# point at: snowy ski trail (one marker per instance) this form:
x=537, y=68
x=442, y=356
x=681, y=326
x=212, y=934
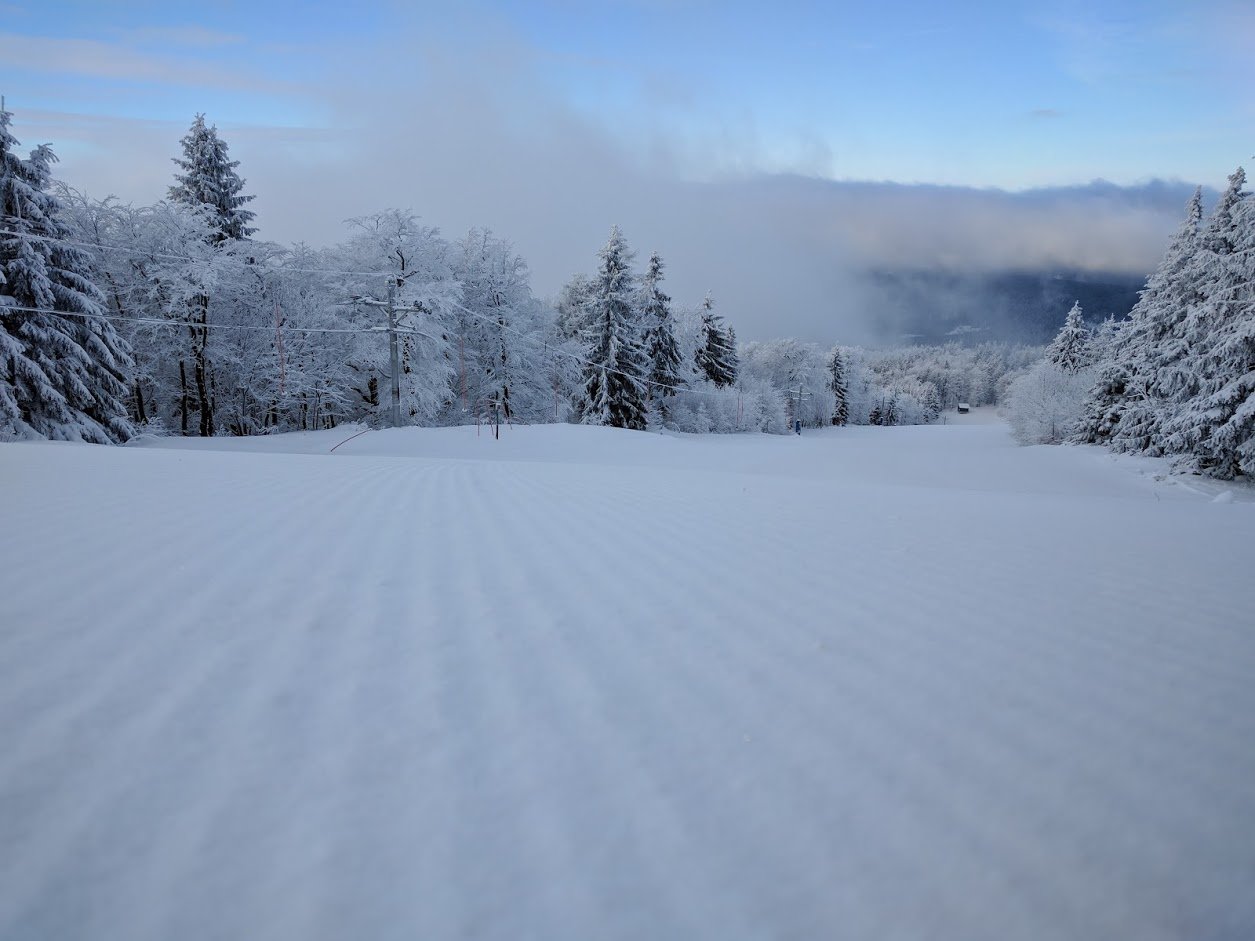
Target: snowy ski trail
x=890, y=683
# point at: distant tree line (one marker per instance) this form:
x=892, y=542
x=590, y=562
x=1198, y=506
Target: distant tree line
x=174, y=318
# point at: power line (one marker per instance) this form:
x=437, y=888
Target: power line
x=316, y=271
x=263, y=265
x=4, y=309
x=376, y=331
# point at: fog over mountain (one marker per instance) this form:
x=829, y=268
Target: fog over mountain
x=770, y=224
x=783, y=254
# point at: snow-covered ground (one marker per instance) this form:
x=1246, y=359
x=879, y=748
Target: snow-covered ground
x=583, y=683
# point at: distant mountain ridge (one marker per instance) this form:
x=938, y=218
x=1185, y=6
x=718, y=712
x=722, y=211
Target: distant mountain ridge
x=933, y=306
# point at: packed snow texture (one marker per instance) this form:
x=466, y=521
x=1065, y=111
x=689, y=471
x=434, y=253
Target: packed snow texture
x=587, y=683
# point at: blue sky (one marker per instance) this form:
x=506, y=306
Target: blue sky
x=549, y=120
x=971, y=93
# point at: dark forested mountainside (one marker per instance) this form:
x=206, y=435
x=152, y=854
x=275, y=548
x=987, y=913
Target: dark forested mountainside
x=932, y=306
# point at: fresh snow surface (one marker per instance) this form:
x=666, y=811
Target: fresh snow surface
x=585, y=683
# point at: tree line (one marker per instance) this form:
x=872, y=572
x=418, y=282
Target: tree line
x=174, y=318
x=1176, y=378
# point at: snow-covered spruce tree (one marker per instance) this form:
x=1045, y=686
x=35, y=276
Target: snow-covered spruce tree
x=1070, y=349
x=208, y=181
x=840, y=391
x=61, y=376
x=572, y=307
x=1146, y=357
x=208, y=178
x=716, y=358
x=1214, y=427
x=1104, y=404
x=930, y=403
x=616, y=362
x=665, y=362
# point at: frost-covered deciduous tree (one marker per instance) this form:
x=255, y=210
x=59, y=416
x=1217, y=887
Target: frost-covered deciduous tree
x=414, y=272
x=616, y=362
x=503, y=357
x=161, y=267
x=63, y=367
x=208, y=178
x=1045, y=404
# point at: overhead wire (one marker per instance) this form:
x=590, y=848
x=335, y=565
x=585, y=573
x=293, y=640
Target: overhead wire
x=317, y=271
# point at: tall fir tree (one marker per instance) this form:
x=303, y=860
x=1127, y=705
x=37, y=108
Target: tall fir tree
x=1214, y=426
x=1069, y=350
x=61, y=376
x=665, y=360
x=616, y=361
x=732, y=359
x=839, y=385
x=1146, y=356
x=715, y=357
x=1105, y=402
x=209, y=178
x=208, y=182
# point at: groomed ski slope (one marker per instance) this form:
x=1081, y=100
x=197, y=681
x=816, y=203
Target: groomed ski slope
x=583, y=683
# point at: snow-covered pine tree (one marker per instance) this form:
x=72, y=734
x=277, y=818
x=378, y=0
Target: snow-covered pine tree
x=572, y=307
x=1103, y=404
x=208, y=181
x=838, y=384
x=61, y=376
x=616, y=361
x=1070, y=348
x=660, y=342
x=1215, y=427
x=931, y=403
x=715, y=357
x=1146, y=356
x=208, y=178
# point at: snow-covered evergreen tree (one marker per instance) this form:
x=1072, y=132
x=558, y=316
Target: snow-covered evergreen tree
x=63, y=368
x=572, y=305
x=839, y=387
x=1214, y=426
x=931, y=403
x=716, y=357
x=617, y=363
x=1146, y=358
x=665, y=362
x=1070, y=349
x=209, y=178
